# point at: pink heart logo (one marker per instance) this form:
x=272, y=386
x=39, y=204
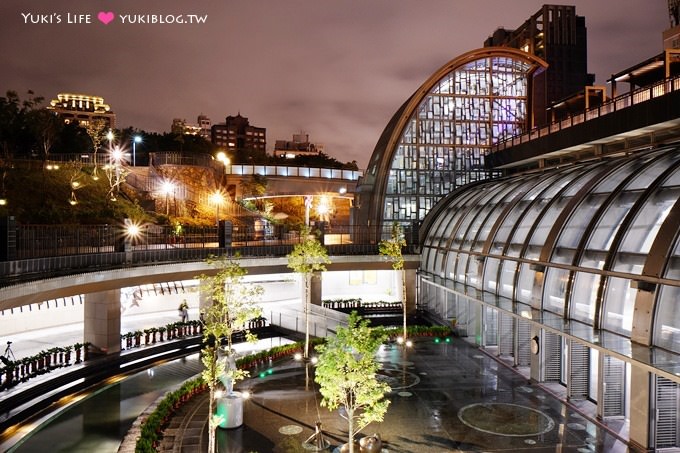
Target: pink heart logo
x=105, y=17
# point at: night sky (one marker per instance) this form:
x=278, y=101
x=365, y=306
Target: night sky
x=336, y=69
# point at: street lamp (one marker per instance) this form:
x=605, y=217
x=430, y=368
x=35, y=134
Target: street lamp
x=222, y=157
x=217, y=198
x=116, y=159
x=135, y=139
x=167, y=189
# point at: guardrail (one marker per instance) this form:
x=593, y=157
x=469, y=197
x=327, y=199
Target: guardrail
x=612, y=105
x=55, y=251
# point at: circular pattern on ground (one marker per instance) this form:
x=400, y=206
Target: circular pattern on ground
x=397, y=378
x=505, y=419
x=290, y=430
x=405, y=394
x=576, y=426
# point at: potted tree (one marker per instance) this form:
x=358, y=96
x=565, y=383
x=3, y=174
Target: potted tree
x=233, y=305
x=346, y=373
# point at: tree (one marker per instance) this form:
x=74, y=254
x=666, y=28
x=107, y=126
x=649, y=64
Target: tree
x=346, y=374
x=95, y=130
x=391, y=248
x=47, y=126
x=307, y=257
x=233, y=305
x=17, y=134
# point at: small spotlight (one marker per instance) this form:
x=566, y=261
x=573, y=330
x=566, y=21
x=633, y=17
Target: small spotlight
x=297, y=356
x=3, y=201
x=400, y=340
x=315, y=360
x=409, y=343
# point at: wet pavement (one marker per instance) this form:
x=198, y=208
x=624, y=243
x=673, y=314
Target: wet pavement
x=446, y=397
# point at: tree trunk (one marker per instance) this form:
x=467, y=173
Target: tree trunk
x=308, y=278
x=403, y=297
x=350, y=431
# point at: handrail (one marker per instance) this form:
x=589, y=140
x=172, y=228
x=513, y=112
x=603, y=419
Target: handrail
x=612, y=105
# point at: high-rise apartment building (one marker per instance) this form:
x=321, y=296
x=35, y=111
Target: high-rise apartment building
x=557, y=36
x=239, y=138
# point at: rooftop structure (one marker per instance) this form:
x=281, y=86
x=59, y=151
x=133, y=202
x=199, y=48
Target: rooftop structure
x=299, y=146
x=82, y=109
x=201, y=127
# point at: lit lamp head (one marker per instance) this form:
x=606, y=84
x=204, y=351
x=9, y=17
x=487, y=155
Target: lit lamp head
x=222, y=157
x=167, y=187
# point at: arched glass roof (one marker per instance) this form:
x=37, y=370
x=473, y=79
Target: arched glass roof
x=439, y=138
x=589, y=242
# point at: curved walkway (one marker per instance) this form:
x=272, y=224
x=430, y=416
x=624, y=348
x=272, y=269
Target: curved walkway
x=447, y=397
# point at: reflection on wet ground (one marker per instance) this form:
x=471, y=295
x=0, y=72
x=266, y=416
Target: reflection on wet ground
x=446, y=397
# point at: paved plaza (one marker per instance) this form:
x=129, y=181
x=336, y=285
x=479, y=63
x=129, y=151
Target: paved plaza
x=446, y=397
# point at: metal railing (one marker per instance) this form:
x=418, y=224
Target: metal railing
x=621, y=102
x=45, y=251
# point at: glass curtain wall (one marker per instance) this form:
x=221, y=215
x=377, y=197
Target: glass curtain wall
x=445, y=140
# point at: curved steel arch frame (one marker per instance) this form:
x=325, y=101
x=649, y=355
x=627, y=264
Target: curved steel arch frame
x=437, y=246
x=372, y=188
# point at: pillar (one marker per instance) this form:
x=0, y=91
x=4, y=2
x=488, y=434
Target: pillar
x=102, y=321
x=411, y=276
x=640, y=415
x=315, y=293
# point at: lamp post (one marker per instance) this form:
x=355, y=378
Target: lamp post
x=217, y=199
x=167, y=188
x=222, y=157
x=135, y=139
x=109, y=137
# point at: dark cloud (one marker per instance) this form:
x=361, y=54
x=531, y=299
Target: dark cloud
x=337, y=69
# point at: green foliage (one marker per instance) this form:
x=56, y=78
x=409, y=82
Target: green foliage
x=392, y=247
x=346, y=374
x=308, y=256
x=233, y=305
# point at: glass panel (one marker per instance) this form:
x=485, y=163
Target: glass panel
x=619, y=303
x=525, y=284
x=509, y=268
x=609, y=224
x=491, y=274
x=584, y=296
x=580, y=218
x=642, y=232
x=554, y=290
x=461, y=267
x=473, y=273
x=667, y=319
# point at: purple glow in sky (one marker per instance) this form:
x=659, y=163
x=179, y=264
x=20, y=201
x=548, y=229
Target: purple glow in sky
x=336, y=69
